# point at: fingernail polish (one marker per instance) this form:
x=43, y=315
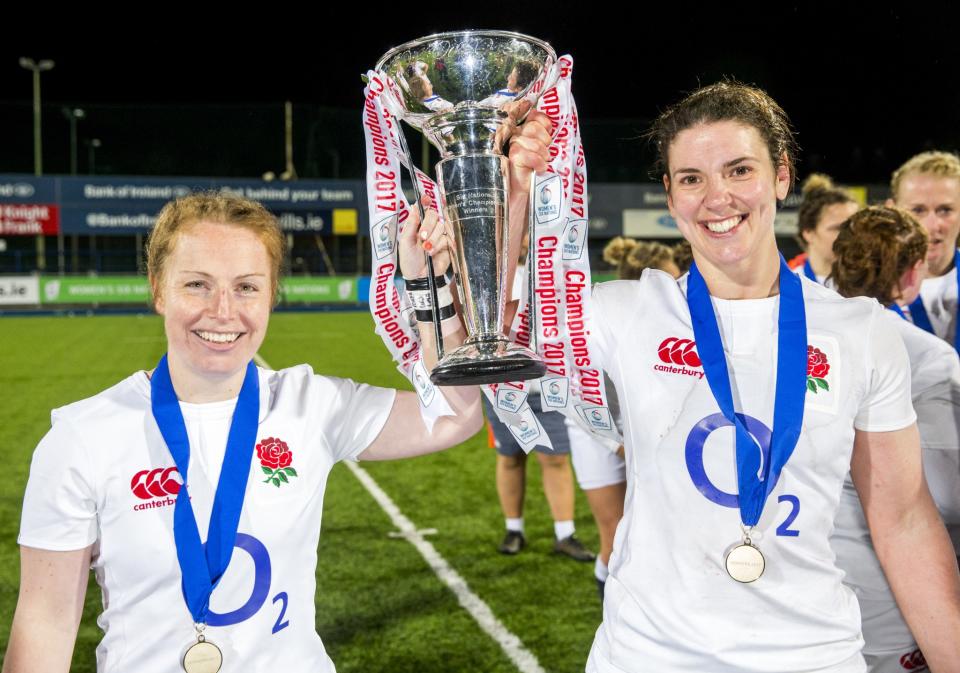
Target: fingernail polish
x=428, y=246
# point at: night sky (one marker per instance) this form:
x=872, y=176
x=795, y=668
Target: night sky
x=865, y=88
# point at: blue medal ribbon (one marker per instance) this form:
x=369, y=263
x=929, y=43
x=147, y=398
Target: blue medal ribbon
x=919, y=312
x=756, y=477
x=202, y=565
x=896, y=309
x=808, y=271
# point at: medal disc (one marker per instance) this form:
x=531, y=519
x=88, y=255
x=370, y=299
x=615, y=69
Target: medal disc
x=202, y=657
x=745, y=563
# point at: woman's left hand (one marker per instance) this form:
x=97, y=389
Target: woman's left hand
x=416, y=238
x=529, y=150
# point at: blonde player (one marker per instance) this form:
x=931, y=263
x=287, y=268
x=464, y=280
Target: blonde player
x=928, y=186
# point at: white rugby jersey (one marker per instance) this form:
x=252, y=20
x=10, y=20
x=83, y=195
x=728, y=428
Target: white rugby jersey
x=826, y=281
x=939, y=297
x=935, y=388
x=104, y=476
x=669, y=603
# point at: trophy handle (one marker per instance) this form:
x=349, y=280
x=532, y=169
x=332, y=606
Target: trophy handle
x=431, y=276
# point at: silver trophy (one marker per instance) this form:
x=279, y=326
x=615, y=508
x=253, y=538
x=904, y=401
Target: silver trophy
x=465, y=92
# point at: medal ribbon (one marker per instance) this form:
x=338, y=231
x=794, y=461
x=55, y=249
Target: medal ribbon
x=808, y=271
x=201, y=565
x=755, y=476
x=896, y=309
x=919, y=312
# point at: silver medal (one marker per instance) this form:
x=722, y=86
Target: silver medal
x=744, y=562
x=203, y=656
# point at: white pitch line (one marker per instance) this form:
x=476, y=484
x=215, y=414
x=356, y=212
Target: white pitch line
x=511, y=645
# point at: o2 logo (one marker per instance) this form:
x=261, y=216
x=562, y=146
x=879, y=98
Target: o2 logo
x=698, y=473
x=261, y=588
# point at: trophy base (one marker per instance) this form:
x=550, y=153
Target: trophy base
x=487, y=360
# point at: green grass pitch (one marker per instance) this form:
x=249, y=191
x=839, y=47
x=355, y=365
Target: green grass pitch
x=379, y=606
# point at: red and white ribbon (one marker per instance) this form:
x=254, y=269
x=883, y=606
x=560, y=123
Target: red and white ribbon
x=557, y=258
x=560, y=263
x=393, y=316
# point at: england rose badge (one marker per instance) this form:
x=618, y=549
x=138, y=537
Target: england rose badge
x=275, y=459
x=817, y=370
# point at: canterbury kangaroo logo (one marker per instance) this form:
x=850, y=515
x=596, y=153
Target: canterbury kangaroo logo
x=679, y=352
x=157, y=483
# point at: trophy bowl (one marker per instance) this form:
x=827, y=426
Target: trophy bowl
x=466, y=91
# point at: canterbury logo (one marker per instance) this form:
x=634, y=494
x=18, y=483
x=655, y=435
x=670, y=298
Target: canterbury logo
x=157, y=483
x=913, y=661
x=679, y=352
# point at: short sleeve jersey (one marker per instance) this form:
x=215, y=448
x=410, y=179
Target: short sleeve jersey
x=939, y=296
x=103, y=476
x=935, y=389
x=669, y=603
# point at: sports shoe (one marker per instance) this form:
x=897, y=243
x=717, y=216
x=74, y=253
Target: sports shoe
x=512, y=543
x=572, y=547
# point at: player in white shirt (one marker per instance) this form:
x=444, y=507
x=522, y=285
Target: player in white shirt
x=823, y=209
x=630, y=258
x=928, y=186
x=687, y=589
x=880, y=253
x=105, y=481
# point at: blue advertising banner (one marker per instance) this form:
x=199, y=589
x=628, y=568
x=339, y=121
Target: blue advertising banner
x=129, y=205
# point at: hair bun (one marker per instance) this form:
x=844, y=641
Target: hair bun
x=617, y=250
x=816, y=182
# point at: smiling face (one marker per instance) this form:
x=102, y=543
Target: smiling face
x=935, y=201
x=215, y=296
x=722, y=189
x=820, y=240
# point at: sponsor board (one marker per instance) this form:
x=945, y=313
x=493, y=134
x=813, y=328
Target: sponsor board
x=136, y=290
x=331, y=289
x=29, y=219
x=105, y=290
x=19, y=290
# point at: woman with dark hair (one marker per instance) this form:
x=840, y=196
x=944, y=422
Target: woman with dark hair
x=880, y=253
x=823, y=209
x=737, y=450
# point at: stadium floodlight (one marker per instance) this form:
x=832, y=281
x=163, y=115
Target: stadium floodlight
x=92, y=145
x=72, y=115
x=36, y=68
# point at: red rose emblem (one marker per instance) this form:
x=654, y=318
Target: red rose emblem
x=817, y=365
x=817, y=370
x=274, y=453
x=275, y=458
